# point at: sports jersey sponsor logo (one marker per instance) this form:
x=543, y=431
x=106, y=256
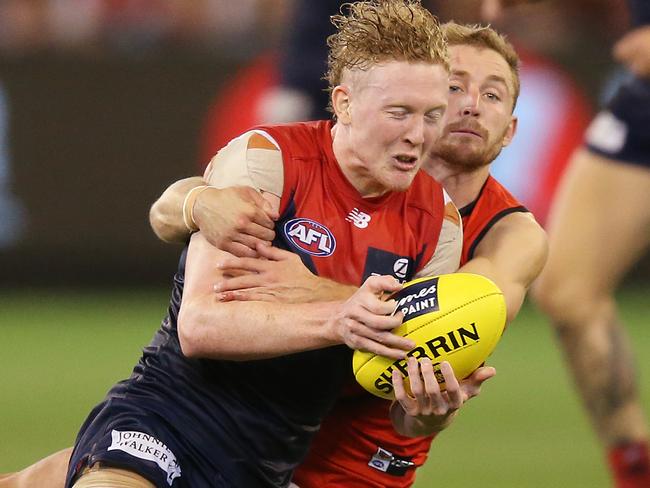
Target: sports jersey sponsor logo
x=309, y=236
x=388, y=462
x=450, y=342
x=418, y=299
x=145, y=446
x=380, y=262
x=358, y=218
x=401, y=267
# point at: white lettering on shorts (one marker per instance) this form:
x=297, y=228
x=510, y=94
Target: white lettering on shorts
x=145, y=446
x=607, y=133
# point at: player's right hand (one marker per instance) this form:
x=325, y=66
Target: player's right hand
x=365, y=320
x=434, y=409
x=235, y=219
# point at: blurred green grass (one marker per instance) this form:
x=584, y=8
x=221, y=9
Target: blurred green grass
x=60, y=351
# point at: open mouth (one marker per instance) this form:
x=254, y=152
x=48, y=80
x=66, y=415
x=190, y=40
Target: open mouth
x=405, y=162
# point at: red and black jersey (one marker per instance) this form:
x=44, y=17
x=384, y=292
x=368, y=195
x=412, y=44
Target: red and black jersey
x=339, y=234
x=357, y=446
x=492, y=204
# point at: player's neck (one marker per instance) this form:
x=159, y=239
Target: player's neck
x=462, y=186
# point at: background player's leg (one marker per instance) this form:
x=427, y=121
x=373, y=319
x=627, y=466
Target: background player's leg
x=599, y=227
x=49, y=472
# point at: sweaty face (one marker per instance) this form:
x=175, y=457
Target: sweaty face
x=395, y=117
x=479, y=121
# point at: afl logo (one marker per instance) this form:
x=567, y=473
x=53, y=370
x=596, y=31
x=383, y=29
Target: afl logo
x=310, y=236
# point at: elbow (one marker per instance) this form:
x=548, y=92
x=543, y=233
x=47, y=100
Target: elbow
x=162, y=225
x=188, y=333
x=197, y=335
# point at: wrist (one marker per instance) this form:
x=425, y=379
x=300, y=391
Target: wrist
x=330, y=330
x=189, y=203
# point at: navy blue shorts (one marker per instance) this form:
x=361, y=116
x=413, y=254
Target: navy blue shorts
x=621, y=131
x=118, y=434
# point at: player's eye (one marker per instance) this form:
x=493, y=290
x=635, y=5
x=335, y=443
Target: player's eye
x=434, y=115
x=492, y=97
x=397, y=114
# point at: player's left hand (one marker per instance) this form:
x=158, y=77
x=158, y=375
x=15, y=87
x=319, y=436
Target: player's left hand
x=432, y=408
x=279, y=277
x=633, y=50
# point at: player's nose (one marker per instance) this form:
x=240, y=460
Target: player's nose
x=470, y=106
x=416, y=133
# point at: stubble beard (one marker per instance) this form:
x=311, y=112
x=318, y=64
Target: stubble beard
x=467, y=157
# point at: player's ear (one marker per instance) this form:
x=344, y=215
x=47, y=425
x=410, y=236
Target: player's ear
x=510, y=131
x=341, y=103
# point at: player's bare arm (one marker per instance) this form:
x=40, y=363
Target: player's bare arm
x=166, y=214
x=427, y=410
x=236, y=202
x=512, y=254
x=236, y=330
x=235, y=219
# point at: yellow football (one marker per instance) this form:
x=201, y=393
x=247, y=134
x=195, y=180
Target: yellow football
x=456, y=317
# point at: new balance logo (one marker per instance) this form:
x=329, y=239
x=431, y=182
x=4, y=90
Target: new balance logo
x=358, y=218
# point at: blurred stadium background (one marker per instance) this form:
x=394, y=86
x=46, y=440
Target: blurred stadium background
x=103, y=103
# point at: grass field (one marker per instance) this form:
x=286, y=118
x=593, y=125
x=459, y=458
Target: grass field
x=59, y=352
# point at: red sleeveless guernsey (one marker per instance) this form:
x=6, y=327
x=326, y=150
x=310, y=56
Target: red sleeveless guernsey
x=337, y=233
x=357, y=446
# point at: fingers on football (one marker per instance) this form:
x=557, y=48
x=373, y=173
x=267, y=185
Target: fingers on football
x=373, y=304
x=360, y=336
x=407, y=403
x=382, y=350
x=432, y=388
x=398, y=386
x=380, y=284
x=452, y=387
x=418, y=389
x=376, y=322
x=427, y=398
